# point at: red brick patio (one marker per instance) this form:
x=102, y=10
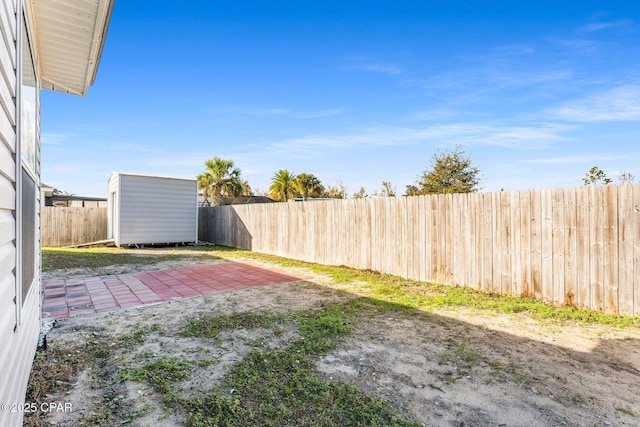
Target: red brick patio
x=73, y=297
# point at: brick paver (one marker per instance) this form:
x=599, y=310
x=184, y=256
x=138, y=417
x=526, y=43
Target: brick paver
x=72, y=297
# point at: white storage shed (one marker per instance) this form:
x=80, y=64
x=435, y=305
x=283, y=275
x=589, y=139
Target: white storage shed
x=147, y=210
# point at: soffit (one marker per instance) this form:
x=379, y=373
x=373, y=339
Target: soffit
x=69, y=38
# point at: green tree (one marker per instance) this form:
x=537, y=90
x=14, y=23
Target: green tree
x=338, y=191
x=596, y=176
x=308, y=185
x=220, y=179
x=245, y=188
x=361, y=194
x=412, y=190
x=282, y=186
x=388, y=189
x=450, y=172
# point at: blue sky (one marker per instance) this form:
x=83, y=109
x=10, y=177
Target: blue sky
x=355, y=92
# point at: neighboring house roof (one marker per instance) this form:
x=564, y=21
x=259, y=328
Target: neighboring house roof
x=60, y=197
x=48, y=193
x=70, y=36
x=46, y=190
x=245, y=200
x=240, y=200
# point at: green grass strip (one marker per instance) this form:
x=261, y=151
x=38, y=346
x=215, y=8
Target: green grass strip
x=412, y=294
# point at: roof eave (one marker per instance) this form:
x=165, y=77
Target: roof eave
x=81, y=58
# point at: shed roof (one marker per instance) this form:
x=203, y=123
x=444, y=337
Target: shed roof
x=144, y=175
x=70, y=36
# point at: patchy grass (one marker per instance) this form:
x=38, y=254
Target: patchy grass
x=55, y=370
x=281, y=387
x=412, y=294
x=161, y=373
x=271, y=387
x=209, y=326
x=61, y=258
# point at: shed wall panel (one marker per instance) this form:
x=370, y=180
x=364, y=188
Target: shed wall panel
x=154, y=210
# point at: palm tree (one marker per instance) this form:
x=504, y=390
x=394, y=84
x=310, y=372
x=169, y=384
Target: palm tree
x=205, y=180
x=282, y=185
x=219, y=180
x=308, y=184
x=245, y=188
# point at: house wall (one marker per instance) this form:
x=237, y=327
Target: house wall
x=154, y=210
x=19, y=320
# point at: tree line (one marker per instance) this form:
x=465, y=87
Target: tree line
x=448, y=172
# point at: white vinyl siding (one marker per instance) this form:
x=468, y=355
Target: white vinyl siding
x=19, y=324
x=152, y=210
x=10, y=384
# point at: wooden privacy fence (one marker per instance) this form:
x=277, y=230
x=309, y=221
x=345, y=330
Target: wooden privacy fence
x=73, y=226
x=575, y=246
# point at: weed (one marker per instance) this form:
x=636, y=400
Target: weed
x=521, y=379
x=138, y=336
x=578, y=399
x=465, y=354
x=460, y=354
x=625, y=410
x=207, y=326
x=161, y=373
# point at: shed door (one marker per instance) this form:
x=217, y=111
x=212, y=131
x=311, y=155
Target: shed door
x=113, y=215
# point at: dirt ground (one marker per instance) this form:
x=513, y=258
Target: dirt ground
x=439, y=368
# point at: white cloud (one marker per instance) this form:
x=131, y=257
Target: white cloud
x=599, y=26
x=587, y=158
x=317, y=114
x=514, y=137
x=512, y=49
x=129, y=147
x=577, y=44
x=381, y=68
x=619, y=104
x=284, y=112
x=55, y=138
x=249, y=111
x=363, y=63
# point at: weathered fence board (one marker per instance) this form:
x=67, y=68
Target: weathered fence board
x=596, y=250
x=625, y=272
x=72, y=226
x=570, y=244
x=577, y=246
x=583, y=245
